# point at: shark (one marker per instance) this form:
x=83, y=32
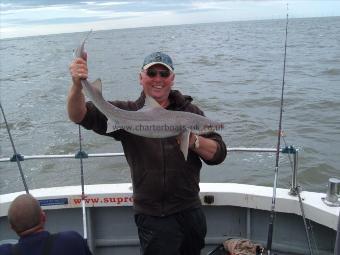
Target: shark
x=151, y=121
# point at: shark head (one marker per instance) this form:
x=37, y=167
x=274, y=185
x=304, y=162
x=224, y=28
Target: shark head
x=80, y=51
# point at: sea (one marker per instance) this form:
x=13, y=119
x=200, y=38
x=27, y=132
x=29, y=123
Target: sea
x=234, y=71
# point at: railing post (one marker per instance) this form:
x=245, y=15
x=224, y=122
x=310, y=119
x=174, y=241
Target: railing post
x=294, y=187
x=332, y=197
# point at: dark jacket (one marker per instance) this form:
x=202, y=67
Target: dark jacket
x=66, y=243
x=163, y=182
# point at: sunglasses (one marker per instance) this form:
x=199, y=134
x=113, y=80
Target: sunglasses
x=162, y=73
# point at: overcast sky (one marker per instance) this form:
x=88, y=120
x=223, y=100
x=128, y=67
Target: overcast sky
x=28, y=17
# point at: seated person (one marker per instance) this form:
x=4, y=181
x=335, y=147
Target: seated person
x=27, y=219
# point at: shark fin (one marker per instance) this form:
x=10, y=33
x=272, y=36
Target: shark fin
x=151, y=102
x=111, y=126
x=184, y=144
x=98, y=85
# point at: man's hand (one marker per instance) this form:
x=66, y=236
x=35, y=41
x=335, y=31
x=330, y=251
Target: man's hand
x=76, y=100
x=78, y=70
x=207, y=147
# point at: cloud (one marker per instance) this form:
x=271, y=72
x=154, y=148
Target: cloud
x=28, y=17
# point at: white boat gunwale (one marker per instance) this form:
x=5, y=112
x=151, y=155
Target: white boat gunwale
x=225, y=194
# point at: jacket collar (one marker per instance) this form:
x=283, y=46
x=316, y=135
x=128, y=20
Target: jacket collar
x=177, y=100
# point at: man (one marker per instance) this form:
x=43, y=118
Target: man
x=168, y=210
x=27, y=219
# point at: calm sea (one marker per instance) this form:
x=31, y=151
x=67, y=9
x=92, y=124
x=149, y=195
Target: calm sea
x=232, y=70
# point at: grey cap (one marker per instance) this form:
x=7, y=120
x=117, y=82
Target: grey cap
x=158, y=58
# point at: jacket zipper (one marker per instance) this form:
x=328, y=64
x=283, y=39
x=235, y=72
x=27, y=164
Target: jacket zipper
x=164, y=184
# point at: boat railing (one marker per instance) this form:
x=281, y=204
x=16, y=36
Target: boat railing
x=290, y=150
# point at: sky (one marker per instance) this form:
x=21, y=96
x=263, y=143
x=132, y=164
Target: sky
x=21, y=18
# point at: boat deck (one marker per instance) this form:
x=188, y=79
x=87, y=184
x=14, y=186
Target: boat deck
x=221, y=251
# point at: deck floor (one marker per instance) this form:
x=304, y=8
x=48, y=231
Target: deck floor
x=221, y=251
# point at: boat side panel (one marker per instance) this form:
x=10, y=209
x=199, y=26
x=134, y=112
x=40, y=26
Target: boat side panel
x=289, y=233
x=224, y=222
x=114, y=231
x=62, y=220
x=5, y=231
x=57, y=220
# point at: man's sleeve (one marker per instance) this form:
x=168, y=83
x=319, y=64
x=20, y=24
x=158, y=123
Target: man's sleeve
x=95, y=120
x=221, y=152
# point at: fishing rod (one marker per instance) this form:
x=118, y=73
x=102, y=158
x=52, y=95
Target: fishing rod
x=81, y=154
x=272, y=213
x=16, y=155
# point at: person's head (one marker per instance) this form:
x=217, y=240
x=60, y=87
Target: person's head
x=25, y=215
x=157, y=76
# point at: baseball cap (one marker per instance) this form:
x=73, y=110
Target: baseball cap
x=158, y=58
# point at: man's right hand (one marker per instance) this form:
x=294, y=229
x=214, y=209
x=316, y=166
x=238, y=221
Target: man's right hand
x=76, y=106
x=78, y=70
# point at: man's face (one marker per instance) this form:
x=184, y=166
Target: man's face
x=157, y=81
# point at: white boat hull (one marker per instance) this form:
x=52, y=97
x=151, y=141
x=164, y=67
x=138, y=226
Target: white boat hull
x=236, y=210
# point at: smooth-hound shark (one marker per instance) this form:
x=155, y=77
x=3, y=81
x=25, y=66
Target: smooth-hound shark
x=152, y=120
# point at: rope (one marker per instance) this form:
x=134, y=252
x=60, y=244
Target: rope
x=16, y=155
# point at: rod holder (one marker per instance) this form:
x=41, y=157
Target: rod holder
x=294, y=188
x=332, y=197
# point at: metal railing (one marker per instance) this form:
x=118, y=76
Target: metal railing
x=81, y=154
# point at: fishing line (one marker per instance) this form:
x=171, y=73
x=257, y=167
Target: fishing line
x=305, y=222
x=16, y=155
x=298, y=193
x=272, y=213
